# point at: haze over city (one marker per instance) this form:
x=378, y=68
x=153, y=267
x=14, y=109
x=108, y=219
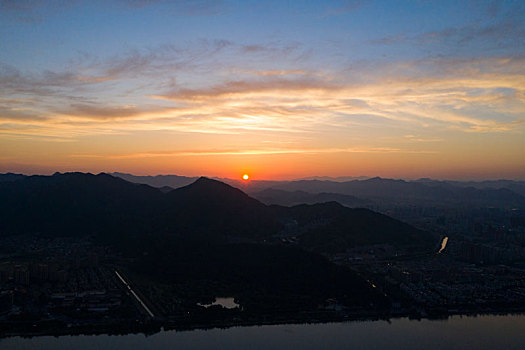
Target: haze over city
x=273, y=89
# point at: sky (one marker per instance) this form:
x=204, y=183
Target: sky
x=276, y=89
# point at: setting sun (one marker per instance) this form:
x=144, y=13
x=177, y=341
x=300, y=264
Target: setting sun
x=245, y=177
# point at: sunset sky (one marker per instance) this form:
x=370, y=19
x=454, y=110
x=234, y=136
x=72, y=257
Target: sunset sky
x=274, y=89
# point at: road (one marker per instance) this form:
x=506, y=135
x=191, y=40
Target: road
x=144, y=306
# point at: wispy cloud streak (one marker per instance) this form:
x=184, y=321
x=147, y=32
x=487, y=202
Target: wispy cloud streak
x=236, y=152
x=164, y=91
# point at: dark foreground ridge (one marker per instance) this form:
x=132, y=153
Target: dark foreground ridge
x=111, y=209
x=99, y=253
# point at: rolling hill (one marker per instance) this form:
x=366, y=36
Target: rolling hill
x=207, y=210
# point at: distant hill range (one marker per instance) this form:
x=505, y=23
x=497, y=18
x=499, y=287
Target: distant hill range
x=289, y=198
x=206, y=210
x=8, y=177
x=358, y=192
x=399, y=192
x=168, y=181
x=362, y=192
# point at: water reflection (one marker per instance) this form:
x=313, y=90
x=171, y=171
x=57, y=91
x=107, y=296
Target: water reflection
x=443, y=245
x=227, y=303
x=483, y=332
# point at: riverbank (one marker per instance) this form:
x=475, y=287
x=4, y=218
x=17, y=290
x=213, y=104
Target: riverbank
x=155, y=326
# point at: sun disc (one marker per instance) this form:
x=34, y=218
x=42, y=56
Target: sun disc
x=245, y=177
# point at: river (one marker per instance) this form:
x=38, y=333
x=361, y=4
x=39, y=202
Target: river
x=443, y=245
x=458, y=332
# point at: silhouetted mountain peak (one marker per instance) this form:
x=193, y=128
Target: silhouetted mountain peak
x=72, y=175
x=173, y=181
x=9, y=177
x=380, y=180
x=207, y=180
x=218, y=185
x=79, y=179
x=212, y=208
x=213, y=186
x=213, y=191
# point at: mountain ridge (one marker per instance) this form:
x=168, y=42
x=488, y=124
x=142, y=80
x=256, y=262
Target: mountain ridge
x=206, y=210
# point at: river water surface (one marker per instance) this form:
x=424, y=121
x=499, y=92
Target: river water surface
x=458, y=332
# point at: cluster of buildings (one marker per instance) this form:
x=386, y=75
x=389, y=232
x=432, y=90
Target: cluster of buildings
x=60, y=279
x=447, y=281
x=26, y=273
x=91, y=290
x=488, y=252
x=461, y=287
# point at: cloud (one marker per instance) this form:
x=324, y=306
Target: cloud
x=280, y=72
x=182, y=7
x=47, y=83
x=30, y=11
x=102, y=112
x=391, y=39
x=275, y=51
x=347, y=6
x=9, y=114
x=198, y=89
x=253, y=48
x=151, y=67
x=237, y=152
x=92, y=90
x=447, y=92
x=501, y=30
x=495, y=35
x=87, y=75
x=249, y=87
x=414, y=138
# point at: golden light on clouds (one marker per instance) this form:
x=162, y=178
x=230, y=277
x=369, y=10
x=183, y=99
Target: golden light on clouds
x=407, y=112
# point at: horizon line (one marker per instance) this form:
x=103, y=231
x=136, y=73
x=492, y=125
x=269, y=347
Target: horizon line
x=342, y=178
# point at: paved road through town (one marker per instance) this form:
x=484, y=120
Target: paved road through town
x=144, y=306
